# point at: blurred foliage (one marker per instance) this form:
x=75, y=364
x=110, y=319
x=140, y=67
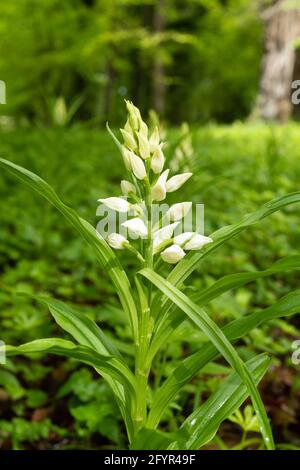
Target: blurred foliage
x=78, y=57
x=55, y=403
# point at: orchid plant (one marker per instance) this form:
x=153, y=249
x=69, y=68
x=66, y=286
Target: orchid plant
x=156, y=304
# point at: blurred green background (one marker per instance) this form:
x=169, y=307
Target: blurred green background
x=67, y=68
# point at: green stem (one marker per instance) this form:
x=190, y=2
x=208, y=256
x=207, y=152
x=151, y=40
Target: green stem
x=142, y=367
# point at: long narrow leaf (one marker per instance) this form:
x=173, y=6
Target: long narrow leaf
x=217, y=337
x=172, y=319
x=104, y=253
x=204, y=422
x=192, y=365
x=190, y=262
x=107, y=364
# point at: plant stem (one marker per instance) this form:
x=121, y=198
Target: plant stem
x=142, y=369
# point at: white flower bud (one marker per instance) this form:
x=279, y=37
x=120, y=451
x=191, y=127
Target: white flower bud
x=157, y=160
x=177, y=181
x=172, y=254
x=126, y=158
x=163, y=177
x=183, y=238
x=134, y=115
x=144, y=147
x=137, y=166
x=192, y=240
x=128, y=128
x=128, y=140
x=197, y=242
x=117, y=241
x=127, y=187
x=136, y=226
x=163, y=234
x=143, y=129
x=116, y=203
x=154, y=140
x=178, y=211
x=158, y=192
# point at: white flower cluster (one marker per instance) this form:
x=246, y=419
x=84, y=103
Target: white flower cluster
x=144, y=161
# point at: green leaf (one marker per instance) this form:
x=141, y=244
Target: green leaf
x=190, y=262
x=172, y=319
x=87, y=333
x=107, y=364
x=204, y=422
x=82, y=328
x=232, y=281
x=217, y=337
x=11, y=384
x=103, y=252
x=192, y=365
x=150, y=439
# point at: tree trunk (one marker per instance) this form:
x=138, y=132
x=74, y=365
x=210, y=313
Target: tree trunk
x=282, y=28
x=158, y=66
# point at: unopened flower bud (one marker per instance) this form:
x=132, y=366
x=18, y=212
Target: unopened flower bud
x=117, y=241
x=178, y=211
x=158, y=192
x=197, y=242
x=126, y=158
x=154, y=139
x=172, y=254
x=137, y=166
x=157, y=160
x=192, y=240
x=144, y=147
x=177, y=181
x=116, y=203
x=143, y=129
x=163, y=234
x=136, y=226
x=128, y=128
x=127, y=187
x=134, y=115
x=128, y=140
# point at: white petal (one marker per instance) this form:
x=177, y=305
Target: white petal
x=117, y=241
x=158, y=192
x=136, y=226
x=197, y=242
x=178, y=211
x=127, y=187
x=126, y=158
x=137, y=166
x=144, y=147
x=163, y=234
x=177, y=181
x=173, y=254
x=116, y=203
x=163, y=177
x=157, y=160
x=154, y=139
x=183, y=238
x=128, y=139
